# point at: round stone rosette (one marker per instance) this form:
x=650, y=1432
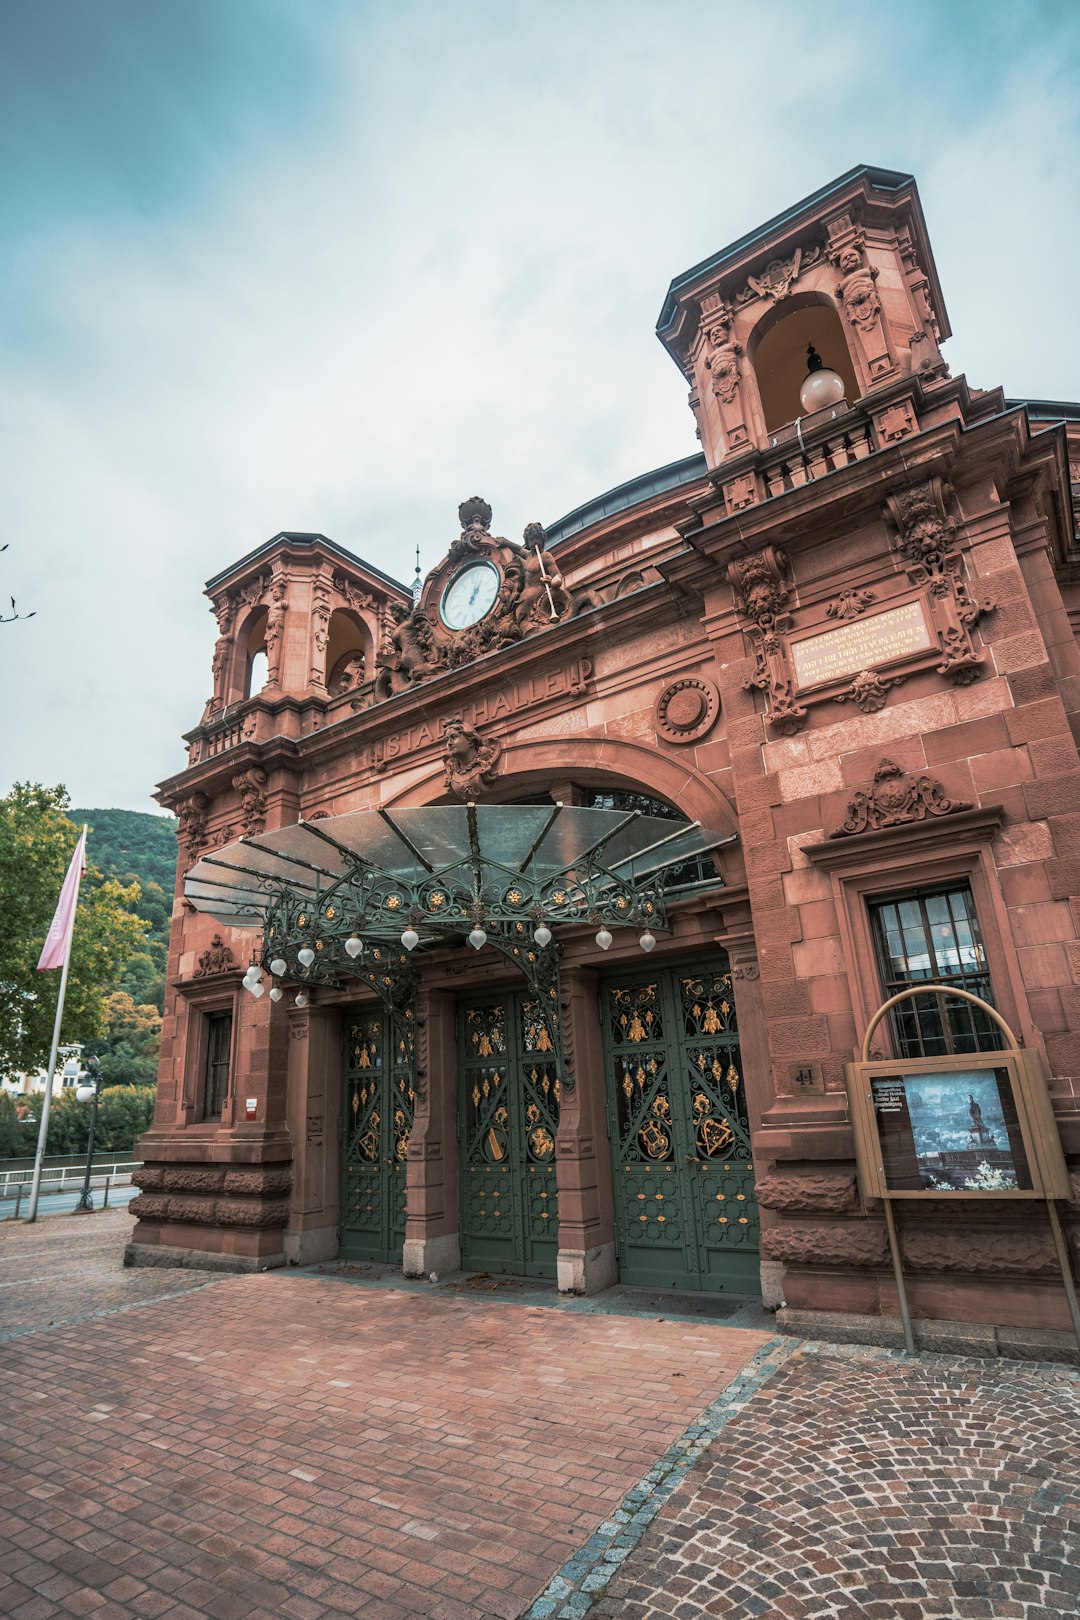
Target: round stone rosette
x=686, y=709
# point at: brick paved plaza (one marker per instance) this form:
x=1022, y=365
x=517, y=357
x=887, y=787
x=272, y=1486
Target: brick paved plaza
x=862, y=1485
x=298, y=1445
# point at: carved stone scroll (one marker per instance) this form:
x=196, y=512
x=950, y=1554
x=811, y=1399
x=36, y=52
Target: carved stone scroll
x=320, y=629
x=217, y=958
x=251, y=786
x=191, y=823
x=895, y=798
x=849, y=604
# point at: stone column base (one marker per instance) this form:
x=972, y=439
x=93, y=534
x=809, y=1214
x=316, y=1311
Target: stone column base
x=422, y=1256
x=587, y=1271
x=772, y=1284
x=308, y=1248
x=168, y=1256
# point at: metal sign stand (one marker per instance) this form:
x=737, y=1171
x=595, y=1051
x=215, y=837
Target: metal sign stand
x=1048, y=1175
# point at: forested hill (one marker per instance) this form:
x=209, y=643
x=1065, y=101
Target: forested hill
x=126, y=843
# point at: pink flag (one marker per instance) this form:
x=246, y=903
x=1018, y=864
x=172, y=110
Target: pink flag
x=58, y=939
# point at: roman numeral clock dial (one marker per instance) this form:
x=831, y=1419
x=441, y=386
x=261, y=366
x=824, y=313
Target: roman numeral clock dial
x=469, y=596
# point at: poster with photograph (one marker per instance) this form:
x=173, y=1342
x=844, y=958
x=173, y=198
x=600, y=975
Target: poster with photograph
x=952, y=1132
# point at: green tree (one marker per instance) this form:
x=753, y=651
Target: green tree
x=128, y=1052
x=124, y=1113
x=11, y=1128
x=144, y=981
x=37, y=839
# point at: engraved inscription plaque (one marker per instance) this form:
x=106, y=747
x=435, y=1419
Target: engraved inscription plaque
x=878, y=639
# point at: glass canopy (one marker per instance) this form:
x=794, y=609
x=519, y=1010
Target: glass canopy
x=444, y=868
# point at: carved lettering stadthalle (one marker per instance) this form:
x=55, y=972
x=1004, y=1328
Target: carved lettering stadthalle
x=567, y=680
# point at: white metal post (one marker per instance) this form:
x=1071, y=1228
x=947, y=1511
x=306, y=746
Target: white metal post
x=43, y=1128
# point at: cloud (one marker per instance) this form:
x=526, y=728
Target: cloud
x=400, y=254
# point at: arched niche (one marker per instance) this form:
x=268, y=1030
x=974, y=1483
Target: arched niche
x=255, y=668
x=531, y=765
x=777, y=354
x=348, y=652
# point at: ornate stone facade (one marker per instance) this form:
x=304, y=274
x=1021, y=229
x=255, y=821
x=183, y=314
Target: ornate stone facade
x=843, y=643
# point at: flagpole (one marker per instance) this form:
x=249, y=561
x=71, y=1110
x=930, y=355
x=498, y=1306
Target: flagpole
x=43, y=1128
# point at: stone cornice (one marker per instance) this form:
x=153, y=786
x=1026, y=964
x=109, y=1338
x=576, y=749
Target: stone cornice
x=304, y=547
x=801, y=518
x=431, y=700
x=977, y=826
x=876, y=196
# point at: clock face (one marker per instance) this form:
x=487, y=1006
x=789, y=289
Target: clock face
x=470, y=595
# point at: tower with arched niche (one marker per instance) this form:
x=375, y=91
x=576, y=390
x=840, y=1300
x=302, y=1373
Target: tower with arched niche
x=848, y=273
x=299, y=623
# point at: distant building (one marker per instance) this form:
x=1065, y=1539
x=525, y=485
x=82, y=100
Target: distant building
x=841, y=637
x=68, y=1068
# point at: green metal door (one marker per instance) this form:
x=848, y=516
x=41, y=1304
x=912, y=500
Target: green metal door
x=377, y=1116
x=509, y=1117
x=685, y=1212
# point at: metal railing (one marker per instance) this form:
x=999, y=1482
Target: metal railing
x=15, y=1184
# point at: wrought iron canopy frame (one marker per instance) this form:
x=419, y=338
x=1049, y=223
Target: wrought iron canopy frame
x=443, y=870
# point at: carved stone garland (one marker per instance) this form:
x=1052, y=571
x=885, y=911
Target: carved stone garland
x=761, y=583
x=925, y=542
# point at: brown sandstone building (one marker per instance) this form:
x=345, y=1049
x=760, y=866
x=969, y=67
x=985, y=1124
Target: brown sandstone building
x=801, y=709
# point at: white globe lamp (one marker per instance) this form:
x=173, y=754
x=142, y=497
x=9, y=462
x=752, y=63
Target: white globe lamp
x=821, y=387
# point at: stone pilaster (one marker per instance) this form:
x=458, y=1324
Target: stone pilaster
x=432, y=1230
x=313, y=1103
x=586, y=1260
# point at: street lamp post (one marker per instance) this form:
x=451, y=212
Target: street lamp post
x=89, y=1090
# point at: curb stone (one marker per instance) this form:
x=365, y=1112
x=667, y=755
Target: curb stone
x=571, y=1593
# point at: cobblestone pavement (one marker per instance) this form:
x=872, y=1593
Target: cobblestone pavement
x=859, y=1484
x=67, y=1268
x=290, y=1445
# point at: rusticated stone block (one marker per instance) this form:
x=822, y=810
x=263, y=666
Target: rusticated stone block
x=149, y=1177
x=252, y=1212
x=193, y=1209
x=845, y=1243
x=997, y=1254
x=150, y=1207
x=270, y=1183
x=820, y=1190
x=194, y=1181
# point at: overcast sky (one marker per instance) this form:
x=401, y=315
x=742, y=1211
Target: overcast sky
x=329, y=265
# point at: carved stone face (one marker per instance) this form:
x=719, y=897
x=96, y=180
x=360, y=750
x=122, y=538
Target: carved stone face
x=725, y=374
x=459, y=745
x=861, y=299
x=850, y=260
